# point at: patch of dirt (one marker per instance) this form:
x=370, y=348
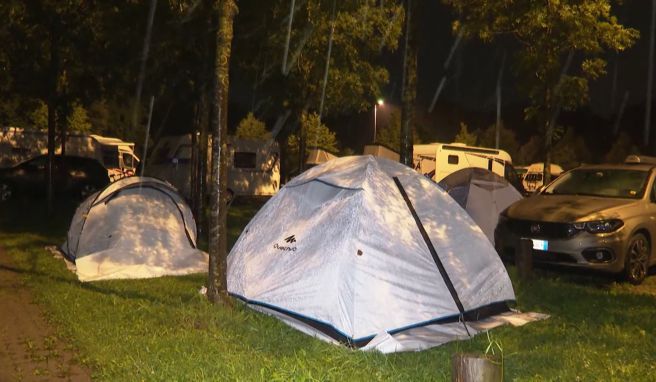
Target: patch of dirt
x=29, y=347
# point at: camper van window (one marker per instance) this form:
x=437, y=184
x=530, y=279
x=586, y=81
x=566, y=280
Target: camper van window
x=127, y=160
x=110, y=156
x=453, y=159
x=245, y=160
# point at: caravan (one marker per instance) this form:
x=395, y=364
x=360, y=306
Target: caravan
x=253, y=165
x=18, y=145
x=437, y=160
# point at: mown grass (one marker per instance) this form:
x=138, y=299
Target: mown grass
x=164, y=330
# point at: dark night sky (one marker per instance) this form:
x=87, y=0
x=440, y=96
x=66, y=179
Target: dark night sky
x=470, y=91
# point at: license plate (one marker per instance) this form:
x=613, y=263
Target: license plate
x=540, y=245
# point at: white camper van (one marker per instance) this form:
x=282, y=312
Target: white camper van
x=533, y=179
x=253, y=165
x=18, y=145
x=437, y=160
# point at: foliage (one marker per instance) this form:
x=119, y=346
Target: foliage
x=560, y=47
x=317, y=135
x=361, y=30
x=39, y=116
x=622, y=147
x=571, y=151
x=78, y=120
x=464, y=136
x=547, y=31
x=111, y=118
x=530, y=152
x=162, y=329
x=507, y=139
x=252, y=128
x=390, y=134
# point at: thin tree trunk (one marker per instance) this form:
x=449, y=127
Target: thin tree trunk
x=205, y=114
x=52, y=115
x=302, y=136
x=142, y=66
x=650, y=79
x=409, y=89
x=203, y=144
x=552, y=118
x=217, y=289
x=193, y=176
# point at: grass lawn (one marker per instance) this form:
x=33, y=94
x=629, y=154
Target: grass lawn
x=162, y=329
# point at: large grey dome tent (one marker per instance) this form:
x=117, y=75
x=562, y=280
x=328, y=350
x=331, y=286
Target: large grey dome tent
x=136, y=227
x=367, y=252
x=483, y=194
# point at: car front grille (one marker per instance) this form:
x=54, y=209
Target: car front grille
x=552, y=257
x=540, y=230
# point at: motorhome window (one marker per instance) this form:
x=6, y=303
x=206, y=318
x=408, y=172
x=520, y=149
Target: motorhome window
x=245, y=160
x=453, y=159
x=127, y=160
x=470, y=150
x=110, y=156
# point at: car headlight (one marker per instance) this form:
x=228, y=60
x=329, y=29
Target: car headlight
x=598, y=226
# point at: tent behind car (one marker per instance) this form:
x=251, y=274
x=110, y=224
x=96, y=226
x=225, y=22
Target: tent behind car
x=136, y=227
x=367, y=252
x=483, y=194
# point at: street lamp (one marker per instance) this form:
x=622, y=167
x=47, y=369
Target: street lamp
x=379, y=102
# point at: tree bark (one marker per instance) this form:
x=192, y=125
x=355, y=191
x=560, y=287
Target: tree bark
x=217, y=288
x=475, y=368
x=409, y=87
x=52, y=114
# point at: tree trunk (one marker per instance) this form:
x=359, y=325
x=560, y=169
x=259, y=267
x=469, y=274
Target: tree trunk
x=548, y=146
x=409, y=87
x=302, y=136
x=52, y=115
x=475, y=368
x=193, y=178
x=217, y=288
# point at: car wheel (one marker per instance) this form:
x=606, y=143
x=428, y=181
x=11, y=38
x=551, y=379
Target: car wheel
x=5, y=192
x=86, y=190
x=637, y=259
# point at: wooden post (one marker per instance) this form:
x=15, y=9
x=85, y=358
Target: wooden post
x=475, y=368
x=524, y=259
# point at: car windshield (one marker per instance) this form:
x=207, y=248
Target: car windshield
x=612, y=183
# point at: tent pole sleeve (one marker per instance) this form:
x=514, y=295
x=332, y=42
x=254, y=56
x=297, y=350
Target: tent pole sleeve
x=431, y=248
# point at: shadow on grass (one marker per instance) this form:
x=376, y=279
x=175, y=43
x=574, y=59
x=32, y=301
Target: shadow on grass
x=30, y=215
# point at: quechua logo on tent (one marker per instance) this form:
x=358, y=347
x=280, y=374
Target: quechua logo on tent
x=287, y=248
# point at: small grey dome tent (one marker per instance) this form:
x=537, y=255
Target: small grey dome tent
x=136, y=227
x=367, y=252
x=483, y=194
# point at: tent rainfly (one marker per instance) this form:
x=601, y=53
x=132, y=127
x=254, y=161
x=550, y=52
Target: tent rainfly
x=367, y=252
x=483, y=194
x=136, y=227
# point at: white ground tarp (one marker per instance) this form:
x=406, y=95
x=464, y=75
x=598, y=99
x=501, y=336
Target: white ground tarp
x=137, y=227
x=361, y=248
